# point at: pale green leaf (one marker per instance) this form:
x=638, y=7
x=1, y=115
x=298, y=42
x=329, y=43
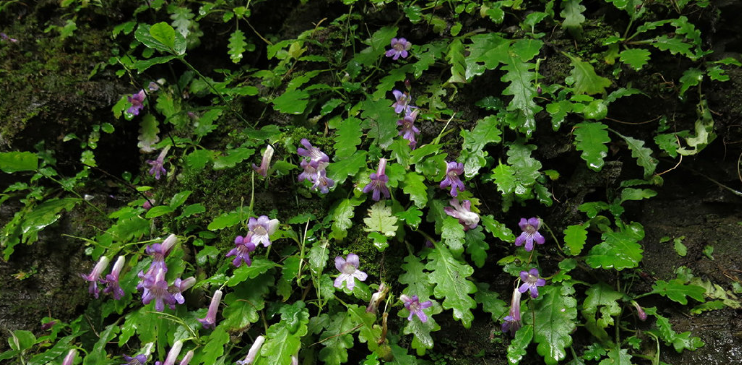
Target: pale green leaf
x=642, y=154
x=232, y=158
x=341, y=214
x=452, y=233
x=148, y=133
x=380, y=219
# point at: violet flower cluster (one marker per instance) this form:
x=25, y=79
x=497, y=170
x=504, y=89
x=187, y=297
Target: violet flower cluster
x=259, y=231
x=153, y=284
x=137, y=102
x=111, y=281
x=315, y=166
x=531, y=282
x=402, y=105
x=377, y=186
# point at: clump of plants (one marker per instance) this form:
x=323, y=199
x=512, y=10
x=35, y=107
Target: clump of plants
x=379, y=167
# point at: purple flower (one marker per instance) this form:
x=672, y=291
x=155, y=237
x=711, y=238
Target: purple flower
x=94, y=276
x=187, y=358
x=70, y=358
x=157, y=289
x=378, y=182
x=179, y=286
x=531, y=281
x=210, y=320
x=315, y=155
x=137, y=102
x=136, y=360
x=530, y=233
x=399, y=48
x=265, y=163
x=242, y=250
x=157, y=165
x=415, y=307
x=254, y=350
x=463, y=213
x=639, y=311
x=172, y=355
x=261, y=229
x=4, y=37
x=377, y=298
x=453, y=170
x=402, y=103
x=153, y=86
x=112, y=279
x=348, y=271
x=409, y=131
x=158, y=251
x=512, y=322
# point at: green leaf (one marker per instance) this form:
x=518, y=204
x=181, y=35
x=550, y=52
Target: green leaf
x=664, y=331
x=680, y=247
x=525, y=168
x=476, y=246
x=691, y=77
x=148, y=133
x=338, y=171
x=242, y=307
x=599, y=308
x=162, y=33
x=214, y=348
x=226, y=220
x=380, y=219
x=636, y=194
x=521, y=86
x=642, y=154
x=143, y=65
x=617, y=356
x=283, y=339
x=198, y=159
x=233, y=157
x=519, y=344
x=347, y=138
x=259, y=266
x=237, y=46
x=318, y=256
x=504, y=176
x=179, y=199
x=554, y=322
x=21, y=340
x=636, y=58
x=573, y=18
x=414, y=186
x=412, y=216
x=292, y=102
x=337, y=339
x=381, y=121
x=575, y=237
x=449, y=276
x=452, y=233
x=678, y=291
x=43, y=215
x=586, y=81
x=18, y=161
x=369, y=332
x=497, y=229
x=619, y=250
x=591, y=139
x=341, y=214
x=455, y=57
x=158, y=211
x=98, y=354
x=377, y=46
x=486, y=131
